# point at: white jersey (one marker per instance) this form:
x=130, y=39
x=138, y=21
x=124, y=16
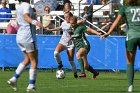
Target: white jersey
x=26, y=31
x=65, y=36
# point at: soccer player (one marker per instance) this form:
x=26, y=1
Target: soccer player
x=82, y=45
x=131, y=13
x=63, y=43
x=26, y=40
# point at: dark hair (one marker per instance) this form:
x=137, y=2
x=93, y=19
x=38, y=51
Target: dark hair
x=22, y=0
x=132, y=2
x=85, y=8
x=66, y=1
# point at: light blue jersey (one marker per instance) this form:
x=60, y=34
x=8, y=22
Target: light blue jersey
x=26, y=31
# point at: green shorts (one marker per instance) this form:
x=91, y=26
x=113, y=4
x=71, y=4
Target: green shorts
x=87, y=47
x=132, y=44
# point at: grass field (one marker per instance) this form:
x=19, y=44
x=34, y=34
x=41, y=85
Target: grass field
x=106, y=82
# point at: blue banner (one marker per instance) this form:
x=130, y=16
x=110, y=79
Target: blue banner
x=107, y=54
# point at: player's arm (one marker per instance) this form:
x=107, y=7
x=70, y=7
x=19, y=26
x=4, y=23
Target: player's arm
x=119, y=17
x=30, y=20
x=54, y=29
x=89, y=30
x=81, y=21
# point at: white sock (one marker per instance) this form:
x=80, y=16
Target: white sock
x=20, y=69
x=18, y=72
x=73, y=66
x=57, y=57
x=32, y=77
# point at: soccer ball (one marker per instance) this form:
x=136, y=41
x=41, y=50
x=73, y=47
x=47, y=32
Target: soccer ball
x=60, y=74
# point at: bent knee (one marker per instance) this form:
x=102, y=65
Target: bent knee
x=78, y=55
x=56, y=53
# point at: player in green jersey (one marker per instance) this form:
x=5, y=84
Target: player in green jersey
x=131, y=13
x=82, y=45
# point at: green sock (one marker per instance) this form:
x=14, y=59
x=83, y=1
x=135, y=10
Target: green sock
x=81, y=65
x=90, y=69
x=130, y=74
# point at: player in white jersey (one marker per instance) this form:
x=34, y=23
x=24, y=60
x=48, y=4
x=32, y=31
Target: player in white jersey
x=26, y=40
x=63, y=44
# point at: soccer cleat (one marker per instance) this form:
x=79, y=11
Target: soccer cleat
x=31, y=89
x=130, y=88
x=60, y=66
x=12, y=84
x=75, y=75
x=82, y=75
x=95, y=75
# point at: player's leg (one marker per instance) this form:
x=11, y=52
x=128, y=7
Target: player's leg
x=131, y=46
x=130, y=55
x=57, y=57
x=79, y=56
x=31, y=53
x=13, y=81
x=33, y=56
x=71, y=58
x=89, y=68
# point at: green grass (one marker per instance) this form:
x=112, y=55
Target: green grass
x=106, y=82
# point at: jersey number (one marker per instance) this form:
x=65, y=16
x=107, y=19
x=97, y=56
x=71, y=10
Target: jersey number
x=136, y=15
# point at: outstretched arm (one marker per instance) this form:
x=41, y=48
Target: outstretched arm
x=93, y=31
x=54, y=29
x=30, y=20
x=119, y=17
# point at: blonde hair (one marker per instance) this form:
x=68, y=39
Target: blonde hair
x=74, y=18
x=69, y=13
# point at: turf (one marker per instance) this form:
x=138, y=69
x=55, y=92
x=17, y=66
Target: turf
x=106, y=82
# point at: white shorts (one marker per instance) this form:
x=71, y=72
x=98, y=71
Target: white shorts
x=28, y=47
x=68, y=46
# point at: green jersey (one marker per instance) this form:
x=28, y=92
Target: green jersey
x=132, y=18
x=79, y=38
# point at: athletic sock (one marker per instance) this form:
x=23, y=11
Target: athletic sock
x=73, y=66
x=57, y=57
x=32, y=77
x=90, y=69
x=18, y=72
x=81, y=65
x=130, y=74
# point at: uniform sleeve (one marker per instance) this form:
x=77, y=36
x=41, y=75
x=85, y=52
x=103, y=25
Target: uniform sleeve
x=122, y=10
x=26, y=9
x=84, y=28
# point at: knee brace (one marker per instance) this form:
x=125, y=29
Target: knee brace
x=56, y=54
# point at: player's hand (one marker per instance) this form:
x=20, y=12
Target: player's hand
x=39, y=24
x=99, y=34
x=104, y=36
x=48, y=29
